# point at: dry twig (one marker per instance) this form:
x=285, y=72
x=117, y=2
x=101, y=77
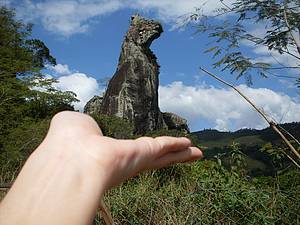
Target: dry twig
x=270, y=122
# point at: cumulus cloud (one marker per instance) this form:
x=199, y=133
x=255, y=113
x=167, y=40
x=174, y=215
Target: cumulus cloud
x=224, y=107
x=66, y=17
x=84, y=86
x=171, y=10
x=60, y=69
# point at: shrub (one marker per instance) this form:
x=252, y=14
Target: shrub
x=202, y=193
x=18, y=144
x=114, y=126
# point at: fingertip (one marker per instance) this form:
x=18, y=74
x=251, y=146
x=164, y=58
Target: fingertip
x=197, y=152
x=186, y=140
x=174, y=143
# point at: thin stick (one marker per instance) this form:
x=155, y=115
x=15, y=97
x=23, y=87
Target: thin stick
x=238, y=91
x=270, y=122
x=105, y=213
x=289, y=134
x=290, y=158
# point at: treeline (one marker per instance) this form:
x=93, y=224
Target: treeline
x=27, y=98
x=262, y=149
x=267, y=134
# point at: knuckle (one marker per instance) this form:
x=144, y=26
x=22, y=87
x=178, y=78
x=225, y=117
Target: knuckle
x=149, y=143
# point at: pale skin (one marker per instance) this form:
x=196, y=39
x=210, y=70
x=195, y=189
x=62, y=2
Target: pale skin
x=63, y=180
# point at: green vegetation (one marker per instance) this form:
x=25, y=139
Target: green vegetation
x=205, y=193
x=217, y=190
x=263, y=149
x=114, y=126
x=279, y=23
x=27, y=98
x=209, y=192
x=250, y=137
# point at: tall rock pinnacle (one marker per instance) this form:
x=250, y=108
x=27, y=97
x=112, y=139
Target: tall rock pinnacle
x=132, y=93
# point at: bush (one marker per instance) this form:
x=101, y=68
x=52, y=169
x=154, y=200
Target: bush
x=114, y=126
x=202, y=193
x=18, y=144
x=163, y=132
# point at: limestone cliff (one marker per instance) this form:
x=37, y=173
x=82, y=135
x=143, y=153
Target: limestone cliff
x=132, y=93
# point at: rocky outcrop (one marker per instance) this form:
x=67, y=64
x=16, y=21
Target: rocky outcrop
x=175, y=122
x=93, y=106
x=132, y=93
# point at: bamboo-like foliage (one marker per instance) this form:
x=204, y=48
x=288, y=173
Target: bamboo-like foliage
x=279, y=22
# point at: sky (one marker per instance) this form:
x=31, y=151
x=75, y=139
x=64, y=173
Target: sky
x=85, y=37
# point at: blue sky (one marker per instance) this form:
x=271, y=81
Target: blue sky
x=85, y=37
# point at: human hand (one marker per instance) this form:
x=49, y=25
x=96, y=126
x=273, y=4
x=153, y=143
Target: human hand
x=117, y=160
x=64, y=178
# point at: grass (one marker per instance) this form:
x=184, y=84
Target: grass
x=199, y=193
x=202, y=193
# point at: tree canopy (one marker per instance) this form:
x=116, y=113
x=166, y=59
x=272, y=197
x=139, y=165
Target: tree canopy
x=27, y=96
x=230, y=26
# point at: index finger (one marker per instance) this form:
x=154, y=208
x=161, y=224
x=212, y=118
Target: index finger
x=157, y=146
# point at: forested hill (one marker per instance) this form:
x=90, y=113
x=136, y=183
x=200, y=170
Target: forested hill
x=211, y=138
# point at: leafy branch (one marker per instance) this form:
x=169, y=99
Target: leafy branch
x=279, y=35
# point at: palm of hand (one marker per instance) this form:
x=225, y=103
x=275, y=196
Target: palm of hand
x=115, y=160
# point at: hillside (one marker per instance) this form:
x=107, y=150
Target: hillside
x=250, y=137
x=216, y=143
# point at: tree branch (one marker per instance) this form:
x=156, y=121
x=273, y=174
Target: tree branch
x=270, y=122
x=296, y=40
x=287, y=52
x=289, y=134
x=227, y=6
x=277, y=68
x=240, y=93
x=105, y=213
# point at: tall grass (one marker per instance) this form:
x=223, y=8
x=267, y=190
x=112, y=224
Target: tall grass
x=205, y=193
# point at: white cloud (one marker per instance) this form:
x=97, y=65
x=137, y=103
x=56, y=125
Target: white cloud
x=65, y=17
x=61, y=69
x=274, y=57
x=224, y=107
x=171, y=10
x=83, y=86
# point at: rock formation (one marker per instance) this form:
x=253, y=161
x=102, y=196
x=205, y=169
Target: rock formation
x=93, y=105
x=175, y=122
x=132, y=93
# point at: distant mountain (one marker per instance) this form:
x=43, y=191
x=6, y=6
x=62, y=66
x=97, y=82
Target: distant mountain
x=211, y=138
x=215, y=143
